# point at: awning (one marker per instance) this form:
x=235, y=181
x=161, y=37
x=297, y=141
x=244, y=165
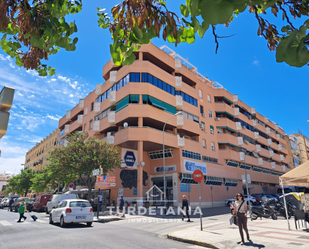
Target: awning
x=232, y=163
x=187, y=178
x=226, y=113
x=228, y=100
x=122, y=103
x=228, y=144
x=134, y=97
x=157, y=103
x=211, y=127
x=245, y=166
x=298, y=176
x=257, y=169
x=170, y=108
x=225, y=127
x=230, y=182
x=212, y=180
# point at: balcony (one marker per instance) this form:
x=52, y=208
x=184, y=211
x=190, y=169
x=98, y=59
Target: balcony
x=226, y=138
x=75, y=126
x=225, y=122
x=224, y=108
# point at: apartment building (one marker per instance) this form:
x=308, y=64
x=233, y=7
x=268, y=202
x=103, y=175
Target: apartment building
x=216, y=132
x=294, y=154
x=36, y=157
x=303, y=143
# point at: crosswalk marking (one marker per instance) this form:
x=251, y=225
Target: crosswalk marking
x=41, y=221
x=5, y=223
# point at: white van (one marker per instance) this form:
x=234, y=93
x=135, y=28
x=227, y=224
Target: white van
x=55, y=199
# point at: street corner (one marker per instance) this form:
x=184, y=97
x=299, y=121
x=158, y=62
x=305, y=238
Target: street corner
x=182, y=236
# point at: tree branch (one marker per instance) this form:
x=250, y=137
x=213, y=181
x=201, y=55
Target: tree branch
x=286, y=16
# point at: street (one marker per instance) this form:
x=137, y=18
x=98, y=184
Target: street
x=117, y=234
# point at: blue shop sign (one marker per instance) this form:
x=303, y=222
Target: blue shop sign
x=167, y=169
x=183, y=187
x=190, y=166
x=129, y=158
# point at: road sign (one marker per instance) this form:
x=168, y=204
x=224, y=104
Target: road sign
x=211, y=187
x=129, y=158
x=243, y=177
x=227, y=188
x=198, y=175
x=135, y=191
x=71, y=185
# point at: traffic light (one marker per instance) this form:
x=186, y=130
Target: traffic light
x=6, y=101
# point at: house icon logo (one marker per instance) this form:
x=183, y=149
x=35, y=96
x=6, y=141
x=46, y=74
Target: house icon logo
x=150, y=193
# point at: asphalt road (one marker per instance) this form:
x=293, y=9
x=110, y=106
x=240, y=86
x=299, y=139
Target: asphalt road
x=150, y=232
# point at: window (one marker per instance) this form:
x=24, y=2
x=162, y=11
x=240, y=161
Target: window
x=91, y=124
x=208, y=98
x=85, y=127
x=211, y=129
x=92, y=104
x=86, y=111
x=210, y=159
x=212, y=146
x=204, y=143
x=159, y=154
x=191, y=154
x=135, y=77
x=210, y=113
x=200, y=93
x=201, y=109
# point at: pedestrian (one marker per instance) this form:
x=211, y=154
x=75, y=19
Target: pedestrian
x=185, y=208
x=305, y=200
x=10, y=204
x=240, y=210
x=22, y=210
x=121, y=204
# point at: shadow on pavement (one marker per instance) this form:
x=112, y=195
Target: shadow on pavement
x=252, y=244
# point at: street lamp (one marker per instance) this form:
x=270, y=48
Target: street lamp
x=164, y=190
x=248, y=194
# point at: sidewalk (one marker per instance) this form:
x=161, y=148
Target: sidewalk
x=264, y=233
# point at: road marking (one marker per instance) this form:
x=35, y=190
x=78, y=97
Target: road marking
x=41, y=221
x=5, y=223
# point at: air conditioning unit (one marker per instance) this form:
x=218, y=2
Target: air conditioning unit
x=204, y=115
x=217, y=119
x=202, y=126
x=244, y=127
x=246, y=141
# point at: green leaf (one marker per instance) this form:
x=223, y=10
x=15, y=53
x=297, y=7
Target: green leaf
x=137, y=32
x=184, y=10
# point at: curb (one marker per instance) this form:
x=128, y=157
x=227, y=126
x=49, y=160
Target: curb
x=106, y=220
x=191, y=241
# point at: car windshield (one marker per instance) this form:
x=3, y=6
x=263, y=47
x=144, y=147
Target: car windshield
x=79, y=204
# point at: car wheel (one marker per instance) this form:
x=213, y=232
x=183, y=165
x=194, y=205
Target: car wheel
x=62, y=223
x=51, y=219
x=46, y=210
x=89, y=224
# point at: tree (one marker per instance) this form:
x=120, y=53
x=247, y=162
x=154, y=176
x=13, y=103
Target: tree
x=34, y=32
x=80, y=157
x=42, y=180
x=21, y=183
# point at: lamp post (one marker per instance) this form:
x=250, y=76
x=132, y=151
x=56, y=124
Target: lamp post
x=248, y=194
x=164, y=180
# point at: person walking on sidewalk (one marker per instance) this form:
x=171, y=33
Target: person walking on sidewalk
x=10, y=204
x=121, y=204
x=22, y=210
x=185, y=208
x=240, y=210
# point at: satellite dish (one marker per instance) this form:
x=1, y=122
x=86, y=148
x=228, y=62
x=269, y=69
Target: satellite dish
x=125, y=125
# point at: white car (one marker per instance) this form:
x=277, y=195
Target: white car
x=230, y=201
x=72, y=211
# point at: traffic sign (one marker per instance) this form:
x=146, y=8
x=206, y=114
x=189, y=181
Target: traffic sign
x=71, y=185
x=198, y=175
x=244, y=179
x=227, y=188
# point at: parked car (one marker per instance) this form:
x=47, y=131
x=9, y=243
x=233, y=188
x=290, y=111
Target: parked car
x=30, y=204
x=40, y=202
x=56, y=199
x=230, y=201
x=72, y=211
x=4, y=203
x=16, y=203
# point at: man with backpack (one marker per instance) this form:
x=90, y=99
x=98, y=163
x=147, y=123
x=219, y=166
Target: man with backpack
x=121, y=204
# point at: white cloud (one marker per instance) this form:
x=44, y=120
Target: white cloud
x=74, y=84
x=71, y=95
x=53, y=80
x=31, y=96
x=256, y=62
x=2, y=57
x=19, y=94
x=32, y=72
x=53, y=117
x=23, y=108
x=11, y=65
x=65, y=79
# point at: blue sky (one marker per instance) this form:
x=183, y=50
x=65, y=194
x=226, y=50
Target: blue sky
x=244, y=66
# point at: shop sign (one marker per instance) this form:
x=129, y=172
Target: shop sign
x=190, y=166
x=129, y=158
x=183, y=187
x=106, y=178
x=105, y=184
x=167, y=169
